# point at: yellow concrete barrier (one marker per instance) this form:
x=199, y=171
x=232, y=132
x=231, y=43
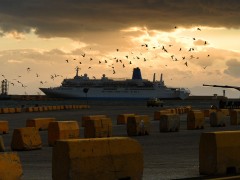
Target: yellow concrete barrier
x=40, y=123
x=40, y=109
x=58, y=108
x=10, y=166
x=138, y=125
x=5, y=110
x=26, y=138
x=18, y=110
x=225, y=112
x=207, y=112
x=4, y=128
x=62, y=130
x=122, y=118
x=35, y=109
x=218, y=153
x=157, y=114
x=45, y=108
x=11, y=110
x=217, y=119
x=91, y=117
x=235, y=117
x=169, y=123
x=195, y=119
x=29, y=109
x=188, y=108
x=99, y=158
x=54, y=108
x=98, y=128
x=2, y=146
x=50, y=108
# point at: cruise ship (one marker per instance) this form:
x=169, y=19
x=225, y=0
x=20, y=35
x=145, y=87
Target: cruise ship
x=82, y=87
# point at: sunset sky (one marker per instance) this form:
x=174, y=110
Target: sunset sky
x=201, y=38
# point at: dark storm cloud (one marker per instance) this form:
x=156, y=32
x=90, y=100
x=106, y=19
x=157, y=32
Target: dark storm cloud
x=233, y=68
x=75, y=18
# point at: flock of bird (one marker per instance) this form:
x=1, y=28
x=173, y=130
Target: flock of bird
x=123, y=60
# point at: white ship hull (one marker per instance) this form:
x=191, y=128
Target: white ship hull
x=116, y=93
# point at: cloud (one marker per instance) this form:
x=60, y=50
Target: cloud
x=78, y=19
x=233, y=66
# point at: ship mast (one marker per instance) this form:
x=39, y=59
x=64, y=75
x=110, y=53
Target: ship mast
x=77, y=69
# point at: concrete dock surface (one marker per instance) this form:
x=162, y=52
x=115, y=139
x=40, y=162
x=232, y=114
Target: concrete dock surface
x=166, y=155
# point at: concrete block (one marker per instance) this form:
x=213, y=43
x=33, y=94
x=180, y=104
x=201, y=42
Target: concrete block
x=2, y=146
x=11, y=110
x=207, y=112
x=195, y=120
x=40, y=109
x=235, y=117
x=138, y=125
x=40, y=123
x=219, y=153
x=62, y=130
x=26, y=138
x=91, y=117
x=157, y=114
x=29, y=109
x=98, y=158
x=50, y=108
x=18, y=110
x=35, y=109
x=54, y=108
x=122, y=118
x=45, y=108
x=217, y=119
x=225, y=112
x=10, y=166
x=169, y=123
x=5, y=110
x=4, y=128
x=98, y=128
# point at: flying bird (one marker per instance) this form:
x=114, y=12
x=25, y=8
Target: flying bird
x=186, y=63
x=198, y=29
x=83, y=55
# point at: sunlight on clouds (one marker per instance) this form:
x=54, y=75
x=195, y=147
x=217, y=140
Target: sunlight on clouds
x=14, y=61
x=14, y=35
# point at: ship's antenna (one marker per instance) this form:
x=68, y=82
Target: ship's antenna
x=154, y=77
x=161, y=78
x=77, y=69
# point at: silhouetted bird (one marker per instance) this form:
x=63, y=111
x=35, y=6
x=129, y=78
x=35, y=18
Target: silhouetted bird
x=198, y=29
x=186, y=63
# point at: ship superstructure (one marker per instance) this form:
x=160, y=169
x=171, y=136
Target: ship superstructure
x=105, y=88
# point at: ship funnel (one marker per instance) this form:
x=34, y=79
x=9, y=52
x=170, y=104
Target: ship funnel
x=136, y=73
x=161, y=78
x=154, y=77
